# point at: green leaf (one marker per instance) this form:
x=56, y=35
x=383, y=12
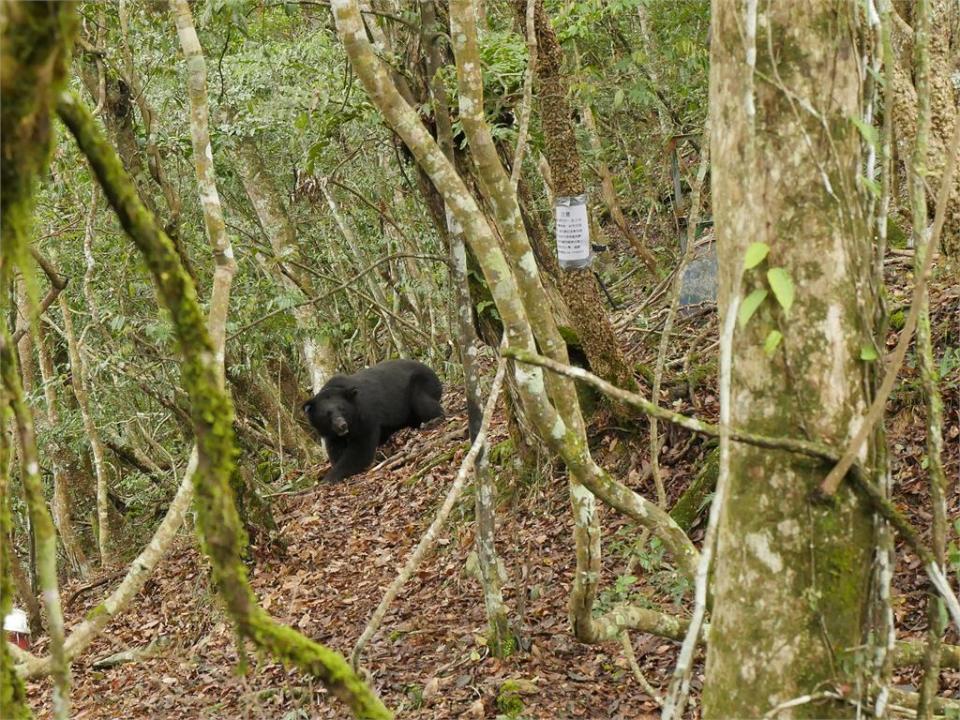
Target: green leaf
x=869, y=132
x=871, y=185
x=749, y=306
x=868, y=353
x=755, y=255
x=772, y=341
x=618, y=98
x=782, y=287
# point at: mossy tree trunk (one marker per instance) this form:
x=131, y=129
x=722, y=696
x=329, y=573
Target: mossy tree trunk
x=941, y=96
x=513, y=278
x=212, y=418
x=791, y=579
x=579, y=287
x=202, y=376
x=35, y=42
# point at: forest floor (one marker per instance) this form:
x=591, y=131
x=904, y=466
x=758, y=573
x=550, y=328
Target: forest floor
x=344, y=543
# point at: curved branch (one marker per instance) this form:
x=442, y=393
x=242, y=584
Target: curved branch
x=212, y=414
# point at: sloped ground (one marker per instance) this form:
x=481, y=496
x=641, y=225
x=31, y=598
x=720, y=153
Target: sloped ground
x=345, y=541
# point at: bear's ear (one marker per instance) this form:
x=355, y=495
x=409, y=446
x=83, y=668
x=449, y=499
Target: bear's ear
x=350, y=393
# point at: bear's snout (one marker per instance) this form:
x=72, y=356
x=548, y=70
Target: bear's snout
x=340, y=426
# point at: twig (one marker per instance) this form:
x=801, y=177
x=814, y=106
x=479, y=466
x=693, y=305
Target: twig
x=645, y=685
x=95, y=584
x=429, y=537
x=323, y=296
x=672, y=313
x=680, y=685
x=58, y=283
x=396, y=461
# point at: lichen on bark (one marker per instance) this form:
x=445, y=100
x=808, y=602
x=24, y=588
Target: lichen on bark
x=791, y=580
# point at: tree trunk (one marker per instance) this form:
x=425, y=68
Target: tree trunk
x=485, y=505
x=942, y=95
x=318, y=355
x=25, y=592
x=78, y=376
x=579, y=287
x=35, y=42
x=791, y=579
x=59, y=455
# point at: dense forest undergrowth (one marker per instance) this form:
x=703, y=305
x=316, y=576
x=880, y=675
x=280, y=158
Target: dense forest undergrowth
x=687, y=272
x=338, y=546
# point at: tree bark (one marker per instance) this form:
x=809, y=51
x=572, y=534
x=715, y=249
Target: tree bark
x=79, y=379
x=936, y=615
x=60, y=504
x=579, y=287
x=791, y=580
x=318, y=355
x=485, y=505
x=942, y=96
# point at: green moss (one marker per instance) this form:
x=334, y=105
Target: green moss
x=569, y=335
x=503, y=649
x=694, y=498
x=95, y=612
x=898, y=320
x=501, y=452
x=896, y=237
x=510, y=703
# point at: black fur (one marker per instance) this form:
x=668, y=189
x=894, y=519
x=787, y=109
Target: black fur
x=356, y=413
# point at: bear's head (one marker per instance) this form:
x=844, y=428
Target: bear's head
x=333, y=411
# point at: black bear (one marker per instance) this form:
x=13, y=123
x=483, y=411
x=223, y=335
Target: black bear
x=356, y=413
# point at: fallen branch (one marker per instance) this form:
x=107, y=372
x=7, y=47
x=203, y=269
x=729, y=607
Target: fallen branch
x=395, y=461
x=95, y=584
x=429, y=537
x=910, y=652
x=131, y=654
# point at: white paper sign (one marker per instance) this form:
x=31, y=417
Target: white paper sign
x=572, y=230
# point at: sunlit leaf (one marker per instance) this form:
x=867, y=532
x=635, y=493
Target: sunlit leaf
x=755, y=255
x=782, y=287
x=749, y=306
x=772, y=341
